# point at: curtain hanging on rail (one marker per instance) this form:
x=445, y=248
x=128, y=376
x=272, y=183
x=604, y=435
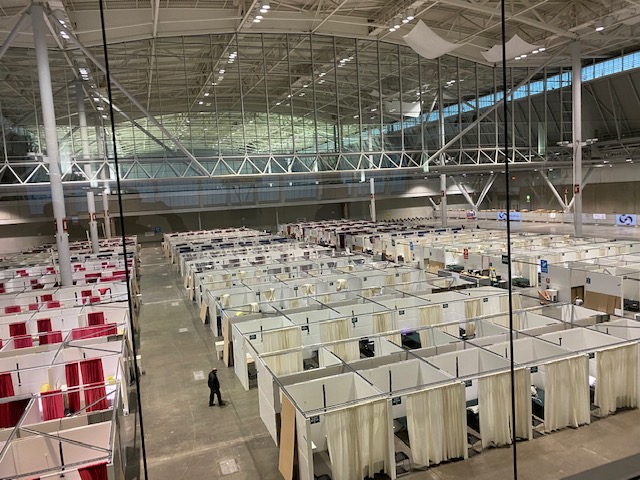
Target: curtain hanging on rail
x=93, y=381
x=44, y=325
x=17, y=329
x=616, y=378
x=72, y=374
x=357, y=440
x=384, y=322
x=433, y=315
x=436, y=421
x=340, y=329
x=52, y=405
x=283, y=339
x=94, y=472
x=566, y=393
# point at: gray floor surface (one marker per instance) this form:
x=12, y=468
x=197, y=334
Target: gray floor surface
x=187, y=439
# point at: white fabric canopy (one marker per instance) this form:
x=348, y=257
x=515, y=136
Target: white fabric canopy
x=494, y=406
x=283, y=339
x=514, y=47
x=617, y=378
x=340, y=329
x=566, y=393
x=358, y=440
x=437, y=426
x=426, y=43
x=384, y=322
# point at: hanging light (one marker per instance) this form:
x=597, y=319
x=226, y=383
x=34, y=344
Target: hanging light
x=391, y=26
x=397, y=21
x=410, y=14
x=598, y=25
x=265, y=5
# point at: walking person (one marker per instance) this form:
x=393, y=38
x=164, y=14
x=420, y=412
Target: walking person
x=214, y=387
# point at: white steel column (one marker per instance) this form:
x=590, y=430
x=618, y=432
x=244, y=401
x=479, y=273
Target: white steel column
x=443, y=177
x=105, y=208
x=51, y=139
x=84, y=140
x=576, y=87
x=372, y=190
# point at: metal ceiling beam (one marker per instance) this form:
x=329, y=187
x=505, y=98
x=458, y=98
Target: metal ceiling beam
x=475, y=7
x=14, y=32
x=140, y=107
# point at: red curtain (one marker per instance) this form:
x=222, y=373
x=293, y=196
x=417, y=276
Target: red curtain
x=51, y=337
x=44, y=325
x=11, y=412
x=52, y=405
x=12, y=309
x=95, y=393
x=95, y=331
x=92, y=371
x=6, y=390
x=53, y=304
x=95, y=318
x=24, y=341
x=16, y=329
x=73, y=380
x=47, y=297
x=94, y=472
x=33, y=306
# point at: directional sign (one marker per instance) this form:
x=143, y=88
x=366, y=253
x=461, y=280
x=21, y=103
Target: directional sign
x=501, y=216
x=411, y=246
x=513, y=216
x=544, y=266
x=624, y=219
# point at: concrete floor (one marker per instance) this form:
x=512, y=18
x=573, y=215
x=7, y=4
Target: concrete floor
x=187, y=439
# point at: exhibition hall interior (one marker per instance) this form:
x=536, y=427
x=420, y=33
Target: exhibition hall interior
x=319, y=239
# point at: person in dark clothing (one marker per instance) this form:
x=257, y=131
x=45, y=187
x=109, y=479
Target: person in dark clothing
x=214, y=387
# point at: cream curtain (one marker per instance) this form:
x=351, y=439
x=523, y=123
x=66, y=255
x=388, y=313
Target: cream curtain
x=384, y=322
x=283, y=339
x=433, y=315
x=308, y=289
x=340, y=329
x=566, y=393
x=340, y=284
x=269, y=295
x=617, y=378
x=472, y=310
x=358, y=441
x=225, y=300
x=503, y=320
x=390, y=280
x=406, y=276
x=494, y=405
x=437, y=425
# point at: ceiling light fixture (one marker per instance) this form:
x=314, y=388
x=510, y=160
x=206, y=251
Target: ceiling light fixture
x=410, y=14
x=256, y=20
x=598, y=25
x=259, y=17
x=542, y=49
x=265, y=5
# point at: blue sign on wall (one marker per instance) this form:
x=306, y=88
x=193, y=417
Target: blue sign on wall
x=411, y=246
x=513, y=216
x=624, y=219
x=544, y=266
x=157, y=229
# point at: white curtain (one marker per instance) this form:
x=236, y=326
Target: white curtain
x=617, y=378
x=340, y=329
x=436, y=422
x=384, y=322
x=269, y=295
x=283, y=339
x=225, y=300
x=472, y=310
x=433, y=315
x=494, y=406
x=503, y=320
x=358, y=441
x=566, y=393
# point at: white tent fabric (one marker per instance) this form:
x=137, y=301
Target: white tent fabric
x=283, y=339
x=566, y=393
x=339, y=329
x=408, y=109
x=384, y=322
x=494, y=406
x=357, y=440
x=426, y=43
x=437, y=424
x=515, y=47
x=617, y=378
